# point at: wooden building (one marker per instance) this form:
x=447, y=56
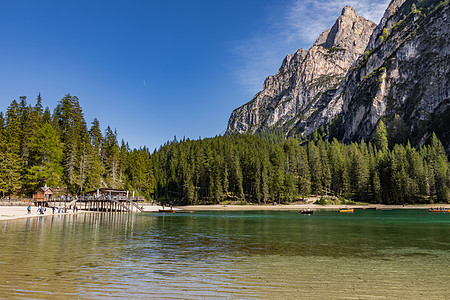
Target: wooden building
x=43, y=195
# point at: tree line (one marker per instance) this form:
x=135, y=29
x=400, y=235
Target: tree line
x=266, y=168
x=58, y=148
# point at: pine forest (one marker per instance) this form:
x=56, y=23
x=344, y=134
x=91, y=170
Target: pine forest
x=61, y=150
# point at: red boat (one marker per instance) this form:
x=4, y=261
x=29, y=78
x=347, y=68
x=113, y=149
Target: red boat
x=167, y=210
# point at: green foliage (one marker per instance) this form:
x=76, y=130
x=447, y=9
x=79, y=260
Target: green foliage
x=385, y=33
x=381, y=137
x=249, y=168
x=38, y=148
x=59, y=150
x=46, y=158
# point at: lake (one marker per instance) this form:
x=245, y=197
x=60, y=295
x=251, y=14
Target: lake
x=398, y=254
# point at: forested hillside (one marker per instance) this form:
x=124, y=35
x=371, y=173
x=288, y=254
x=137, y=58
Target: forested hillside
x=261, y=169
x=60, y=149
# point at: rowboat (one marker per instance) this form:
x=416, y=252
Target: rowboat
x=440, y=210
x=348, y=210
x=167, y=210
x=306, y=212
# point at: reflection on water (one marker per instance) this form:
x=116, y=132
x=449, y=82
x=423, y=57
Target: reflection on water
x=387, y=254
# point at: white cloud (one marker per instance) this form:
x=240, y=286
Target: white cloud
x=296, y=26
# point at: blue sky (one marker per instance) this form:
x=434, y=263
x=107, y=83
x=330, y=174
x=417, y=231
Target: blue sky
x=156, y=69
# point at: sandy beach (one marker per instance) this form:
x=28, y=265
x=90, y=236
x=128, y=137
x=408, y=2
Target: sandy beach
x=10, y=212
x=19, y=212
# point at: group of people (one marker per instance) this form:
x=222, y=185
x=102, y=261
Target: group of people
x=438, y=208
x=42, y=209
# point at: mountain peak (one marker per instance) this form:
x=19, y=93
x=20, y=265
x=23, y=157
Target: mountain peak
x=349, y=11
x=347, y=30
x=305, y=76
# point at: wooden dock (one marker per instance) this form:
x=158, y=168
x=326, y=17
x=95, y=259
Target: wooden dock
x=102, y=204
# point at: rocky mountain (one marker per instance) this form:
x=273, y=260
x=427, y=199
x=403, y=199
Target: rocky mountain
x=356, y=75
x=403, y=78
x=293, y=92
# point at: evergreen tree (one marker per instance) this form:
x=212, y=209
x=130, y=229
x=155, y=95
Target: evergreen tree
x=69, y=120
x=46, y=150
x=380, y=138
x=111, y=156
x=315, y=165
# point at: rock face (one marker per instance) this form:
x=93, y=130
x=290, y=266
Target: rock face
x=403, y=78
x=295, y=90
x=355, y=75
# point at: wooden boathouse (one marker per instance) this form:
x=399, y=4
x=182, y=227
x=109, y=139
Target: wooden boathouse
x=43, y=195
x=101, y=200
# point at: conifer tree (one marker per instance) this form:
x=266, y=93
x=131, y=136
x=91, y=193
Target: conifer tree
x=380, y=138
x=10, y=163
x=315, y=166
x=46, y=150
x=111, y=154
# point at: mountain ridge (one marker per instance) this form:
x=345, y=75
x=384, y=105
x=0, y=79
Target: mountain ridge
x=304, y=75
x=400, y=74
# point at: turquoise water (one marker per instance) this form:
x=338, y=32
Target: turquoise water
x=396, y=254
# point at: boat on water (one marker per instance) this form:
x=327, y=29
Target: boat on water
x=442, y=210
x=167, y=210
x=306, y=212
x=346, y=210
x=178, y=211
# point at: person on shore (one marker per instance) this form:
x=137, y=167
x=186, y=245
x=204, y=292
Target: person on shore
x=53, y=209
x=29, y=209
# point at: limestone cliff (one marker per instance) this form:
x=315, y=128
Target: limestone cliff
x=354, y=76
x=294, y=91
x=403, y=77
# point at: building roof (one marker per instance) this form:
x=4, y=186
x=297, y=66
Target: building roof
x=45, y=188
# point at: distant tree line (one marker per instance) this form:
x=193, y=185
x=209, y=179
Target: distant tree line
x=267, y=168
x=59, y=149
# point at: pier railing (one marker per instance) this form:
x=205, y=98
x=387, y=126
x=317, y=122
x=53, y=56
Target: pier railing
x=101, y=203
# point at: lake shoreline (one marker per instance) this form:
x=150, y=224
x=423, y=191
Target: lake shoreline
x=295, y=207
x=15, y=212
x=19, y=212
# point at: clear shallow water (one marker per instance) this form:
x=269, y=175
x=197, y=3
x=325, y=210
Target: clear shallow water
x=399, y=254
